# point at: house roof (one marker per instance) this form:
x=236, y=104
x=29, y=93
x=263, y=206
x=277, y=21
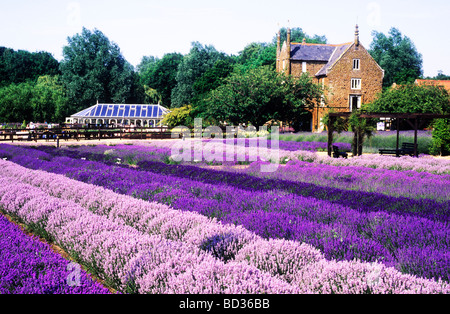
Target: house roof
x=319, y=52
x=445, y=84
x=122, y=111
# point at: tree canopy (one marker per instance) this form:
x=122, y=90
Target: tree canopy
x=297, y=35
x=412, y=98
x=20, y=66
x=93, y=69
x=199, y=60
x=160, y=75
x=398, y=56
x=259, y=95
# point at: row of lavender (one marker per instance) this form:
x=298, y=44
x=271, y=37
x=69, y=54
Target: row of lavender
x=411, y=235
x=145, y=247
x=408, y=183
x=162, y=151
x=29, y=266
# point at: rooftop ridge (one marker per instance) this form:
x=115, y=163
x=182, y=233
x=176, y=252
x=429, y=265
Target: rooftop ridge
x=328, y=45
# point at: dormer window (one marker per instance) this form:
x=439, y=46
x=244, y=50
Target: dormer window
x=356, y=64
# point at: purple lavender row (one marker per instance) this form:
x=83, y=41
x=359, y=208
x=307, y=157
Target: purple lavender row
x=367, y=201
x=396, y=183
x=295, y=263
x=28, y=266
x=132, y=261
x=283, y=145
x=412, y=244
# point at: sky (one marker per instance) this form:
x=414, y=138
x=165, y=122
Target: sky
x=154, y=28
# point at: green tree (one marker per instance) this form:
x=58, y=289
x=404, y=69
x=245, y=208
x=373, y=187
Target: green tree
x=20, y=66
x=199, y=60
x=440, y=76
x=213, y=77
x=297, y=36
x=441, y=138
x=147, y=65
x=259, y=95
x=411, y=98
x=258, y=54
x=398, y=56
x=49, y=102
x=160, y=74
x=15, y=102
x=93, y=69
x=179, y=117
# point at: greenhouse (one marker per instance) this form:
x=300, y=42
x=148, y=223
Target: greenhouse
x=113, y=114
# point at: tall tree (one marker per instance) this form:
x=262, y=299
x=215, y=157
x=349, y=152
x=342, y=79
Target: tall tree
x=93, y=69
x=297, y=35
x=160, y=74
x=192, y=67
x=15, y=102
x=398, y=56
x=412, y=98
x=214, y=77
x=259, y=95
x=258, y=54
x=20, y=66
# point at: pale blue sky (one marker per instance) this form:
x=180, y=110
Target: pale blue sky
x=153, y=27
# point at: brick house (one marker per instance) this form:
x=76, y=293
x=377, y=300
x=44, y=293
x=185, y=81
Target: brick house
x=349, y=73
x=445, y=84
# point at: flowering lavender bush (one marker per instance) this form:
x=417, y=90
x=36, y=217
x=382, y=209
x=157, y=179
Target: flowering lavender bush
x=344, y=226
x=28, y=266
x=137, y=262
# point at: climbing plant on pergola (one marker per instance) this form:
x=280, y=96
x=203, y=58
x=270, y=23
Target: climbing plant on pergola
x=415, y=120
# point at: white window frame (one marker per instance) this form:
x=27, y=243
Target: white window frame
x=359, y=104
x=356, y=64
x=356, y=83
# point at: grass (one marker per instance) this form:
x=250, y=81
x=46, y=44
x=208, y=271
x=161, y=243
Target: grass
x=377, y=141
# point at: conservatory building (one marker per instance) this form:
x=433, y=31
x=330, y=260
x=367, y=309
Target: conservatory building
x=112, y=114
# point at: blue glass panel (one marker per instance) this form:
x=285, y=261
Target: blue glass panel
x=155, y=112
x=103, y=114
x=149, y=111
x=132, y=112
x=144, y=111
x=97, y=111
x=127, y=111
x=115, y=111
x=109, y=112
x=138, y=111
x=121, y=111
x=160, y=113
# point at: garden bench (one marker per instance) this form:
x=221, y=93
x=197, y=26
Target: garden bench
x=406, y=149
x=337, y=153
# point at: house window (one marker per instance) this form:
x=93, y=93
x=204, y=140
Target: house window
x=304, y=67
x=356, y=64
x=356, y=83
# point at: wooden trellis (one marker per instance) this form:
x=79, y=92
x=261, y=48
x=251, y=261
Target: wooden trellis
x=415, y=120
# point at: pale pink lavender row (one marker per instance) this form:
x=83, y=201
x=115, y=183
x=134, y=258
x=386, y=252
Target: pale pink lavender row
x=422, y=164
x=414, y=245
x=107, y=245
x=132, y=261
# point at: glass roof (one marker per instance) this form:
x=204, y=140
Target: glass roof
x=123, y=111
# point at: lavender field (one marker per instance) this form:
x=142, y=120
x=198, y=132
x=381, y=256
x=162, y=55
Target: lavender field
x=145, y=223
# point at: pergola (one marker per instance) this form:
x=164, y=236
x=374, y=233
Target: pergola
x=415, y=120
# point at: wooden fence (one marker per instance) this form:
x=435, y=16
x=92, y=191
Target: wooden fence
x=77, y=133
